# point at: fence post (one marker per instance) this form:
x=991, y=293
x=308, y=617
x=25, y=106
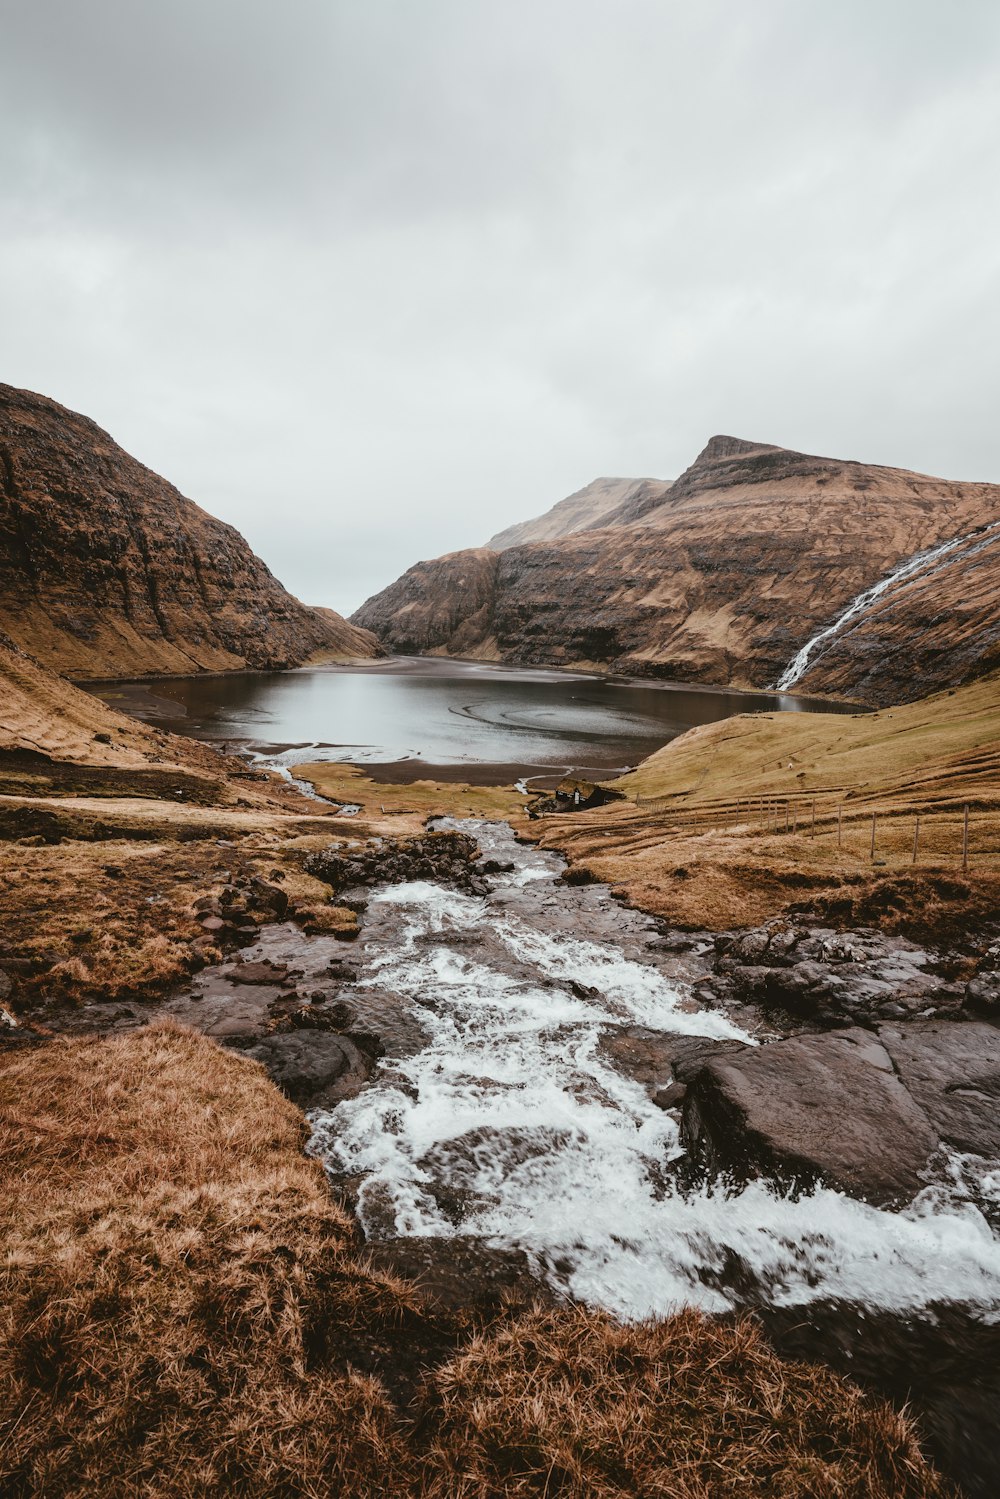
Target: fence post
x=873, y=836
x=812, y=825
x=916, y=839
x=840, y=814
x=965, y=841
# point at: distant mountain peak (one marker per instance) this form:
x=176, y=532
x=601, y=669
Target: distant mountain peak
x=722, y=446
x=581, y=511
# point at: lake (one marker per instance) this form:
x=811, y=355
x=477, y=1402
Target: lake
x=427, y=711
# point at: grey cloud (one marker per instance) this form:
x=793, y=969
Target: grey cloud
x=373, y=280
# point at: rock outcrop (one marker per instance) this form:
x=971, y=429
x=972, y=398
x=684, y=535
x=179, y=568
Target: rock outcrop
x=721, y=577
x=106, y=570
x=861, y=1111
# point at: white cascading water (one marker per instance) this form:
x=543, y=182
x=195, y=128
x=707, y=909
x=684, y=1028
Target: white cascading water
x=975, y=540
x=513, y=1125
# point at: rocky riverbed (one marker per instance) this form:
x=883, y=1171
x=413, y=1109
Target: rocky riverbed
x=521, y=1085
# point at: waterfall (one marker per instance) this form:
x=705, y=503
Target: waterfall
x=797, y=668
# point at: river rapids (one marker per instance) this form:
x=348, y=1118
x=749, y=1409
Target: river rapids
x=501, y=1113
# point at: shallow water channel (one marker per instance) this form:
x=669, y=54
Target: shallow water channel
x=515, y=1106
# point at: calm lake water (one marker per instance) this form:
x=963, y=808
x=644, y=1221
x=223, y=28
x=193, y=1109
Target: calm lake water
x=439, y=712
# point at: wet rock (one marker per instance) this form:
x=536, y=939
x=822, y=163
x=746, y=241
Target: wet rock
x=444, y=857
x=677, y=942
x=670, y=1097
x=306, y=1017
x=943, y=1364
x=353, y=900
x=828, y=977
x=982, y=994
x=583, y=991
x=645, y=1055
x=813, y=1108
x=269, y=897
x=339, y=968
x=342, y=1015
x=258, y=973
x=313, y=1067
x=952, y=1070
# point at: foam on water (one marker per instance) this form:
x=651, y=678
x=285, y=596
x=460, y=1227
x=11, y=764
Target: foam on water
x=514, y=1126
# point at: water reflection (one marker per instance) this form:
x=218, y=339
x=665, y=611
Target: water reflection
x=444, y=712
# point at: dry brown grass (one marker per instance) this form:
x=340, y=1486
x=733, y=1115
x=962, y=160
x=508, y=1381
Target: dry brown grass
x=397, y=810
x=185, y=1312
x=568, y=1403
x=115, y=920
x=741, y=819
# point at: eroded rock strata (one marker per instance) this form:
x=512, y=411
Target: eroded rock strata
x=721, y=577
x=107, y=570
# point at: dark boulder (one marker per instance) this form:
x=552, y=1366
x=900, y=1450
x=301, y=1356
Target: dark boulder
x=313, y=1067
x=445, y=857
x=813, y=1108
x=952, y=1070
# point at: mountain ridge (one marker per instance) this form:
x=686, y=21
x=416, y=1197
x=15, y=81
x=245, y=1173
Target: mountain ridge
x=107, y=570
x=721, y=578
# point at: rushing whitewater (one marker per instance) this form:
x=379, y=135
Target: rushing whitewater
x=513, y=1124
x=920, y=563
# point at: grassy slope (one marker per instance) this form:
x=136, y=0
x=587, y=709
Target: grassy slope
x=929, y=753
x=397, y=810
x=186, y=1312
x=707, y=845
x=128, y=826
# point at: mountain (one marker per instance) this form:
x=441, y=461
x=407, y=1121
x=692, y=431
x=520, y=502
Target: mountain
x=585, y=510
x=722, y=576
x=107, y=571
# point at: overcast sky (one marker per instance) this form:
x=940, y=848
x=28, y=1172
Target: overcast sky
x=372, y=279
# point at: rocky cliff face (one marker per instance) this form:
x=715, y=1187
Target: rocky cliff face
x=106, y=570
x=720, y=577
x=443, y=606
x=938, y=629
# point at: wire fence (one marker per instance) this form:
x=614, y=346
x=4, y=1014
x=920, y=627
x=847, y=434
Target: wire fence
x=940, y=831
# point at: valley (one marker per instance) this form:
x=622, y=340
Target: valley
x=523, y=948
x=723, y=575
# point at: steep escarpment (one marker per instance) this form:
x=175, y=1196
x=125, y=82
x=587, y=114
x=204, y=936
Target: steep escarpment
x=936, y=628
x=444, y=605
x=720, y=577
x=106, y=570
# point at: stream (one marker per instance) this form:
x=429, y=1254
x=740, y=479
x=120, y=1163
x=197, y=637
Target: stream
x=515, y=1107
x=921, y=566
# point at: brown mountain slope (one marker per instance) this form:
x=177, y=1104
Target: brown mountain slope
x=936, y=629
x=344, y=640
x=106, y=570
x=584, y=510
x=722, y=578
x=42, y=714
